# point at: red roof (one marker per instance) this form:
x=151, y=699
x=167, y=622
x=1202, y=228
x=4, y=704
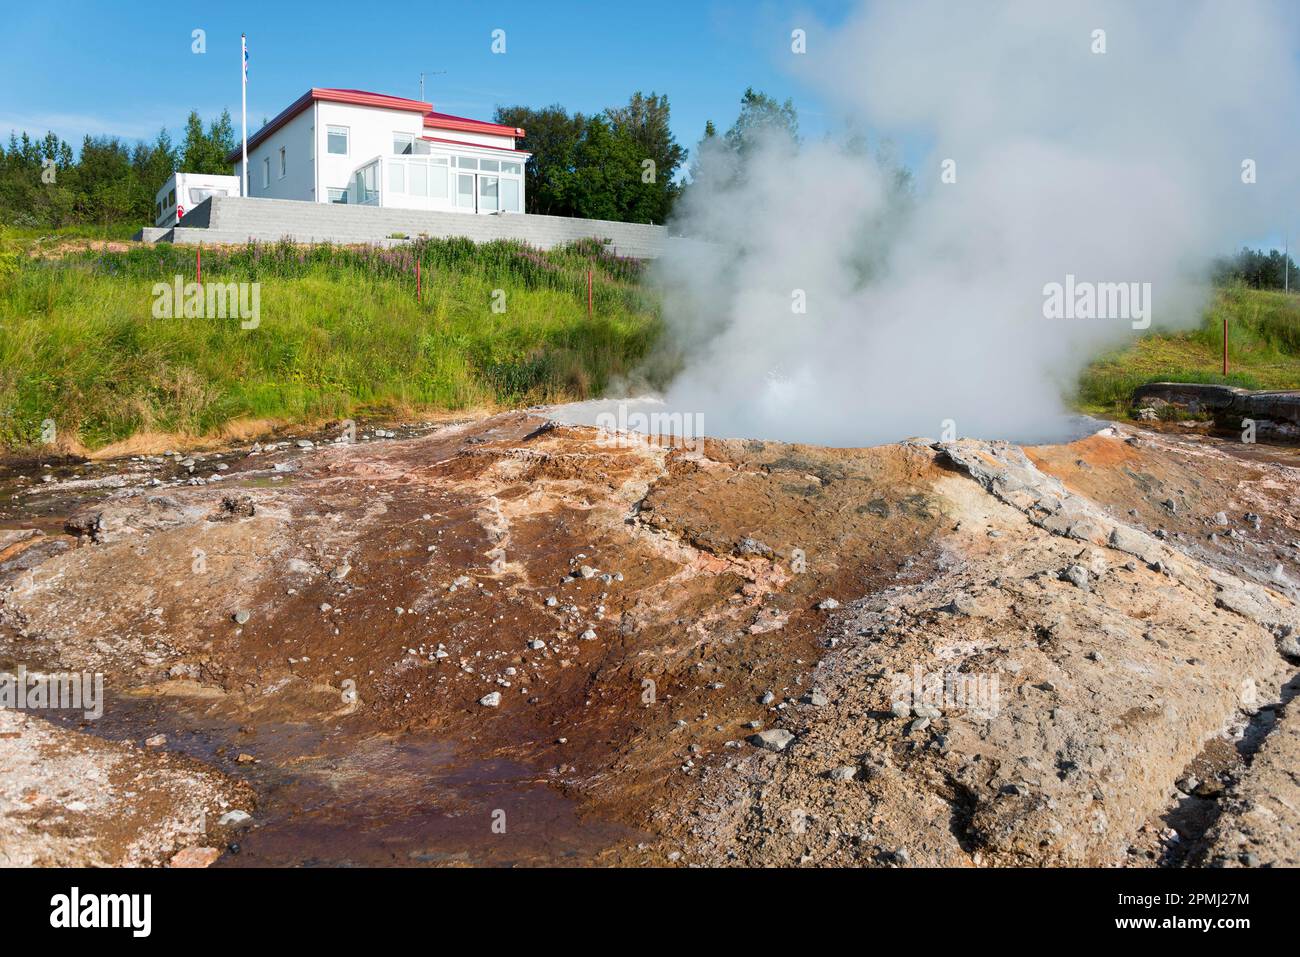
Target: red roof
x=378, y=100
x=445, y=121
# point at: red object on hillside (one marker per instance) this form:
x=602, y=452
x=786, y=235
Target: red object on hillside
x=1225, y=345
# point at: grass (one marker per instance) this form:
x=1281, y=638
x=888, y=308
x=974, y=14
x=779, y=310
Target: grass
x=340, y=334
x=1263, y=352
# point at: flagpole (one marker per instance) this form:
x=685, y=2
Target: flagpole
x=243, y=73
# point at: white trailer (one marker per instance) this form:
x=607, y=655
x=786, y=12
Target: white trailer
x=183, y=191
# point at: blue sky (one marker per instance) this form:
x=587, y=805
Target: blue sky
x=127, y=68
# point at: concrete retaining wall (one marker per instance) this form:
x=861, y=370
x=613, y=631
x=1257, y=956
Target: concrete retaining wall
x=233, y=219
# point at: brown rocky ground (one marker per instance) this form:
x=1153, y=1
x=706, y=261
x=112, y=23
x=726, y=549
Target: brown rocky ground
x=401, y=646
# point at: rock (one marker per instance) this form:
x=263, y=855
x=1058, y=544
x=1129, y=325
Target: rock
x=1135, y=543
x=773, y=739
x=960, y=605
x=1077, y=575
x=156, y=741
x=920, y=724
x=828, y=604
x=753, y=548
x=241, y=617
x=1220, y=518
x=845, y=773
x=241, y=506
x=767, y=698
x=588, y=635
x=1289, y=644
x=490, y=700
x=536, y=644
x=815, y=698
x=304, y=443
x=900, y=709
x=1209, y=788
x=340, y=572
x=245, y=758
x=234, y=817
x=901, y=856
x=923, y=710
x=195, y=857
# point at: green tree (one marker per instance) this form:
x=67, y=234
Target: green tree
x=644, y=123
x=762, y=118
x=552, y=135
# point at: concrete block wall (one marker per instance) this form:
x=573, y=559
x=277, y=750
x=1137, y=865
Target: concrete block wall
x=233, y=219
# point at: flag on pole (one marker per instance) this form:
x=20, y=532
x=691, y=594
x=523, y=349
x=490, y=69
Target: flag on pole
x=243, y=45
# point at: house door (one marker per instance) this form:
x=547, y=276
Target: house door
x=488, y=193
x=466, y=194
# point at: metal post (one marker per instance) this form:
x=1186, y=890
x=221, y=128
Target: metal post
x=243, y=87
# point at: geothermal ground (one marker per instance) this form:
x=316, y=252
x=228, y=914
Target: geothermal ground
x=510, y=642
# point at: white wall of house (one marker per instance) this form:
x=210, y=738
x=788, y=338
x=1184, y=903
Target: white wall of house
x=370, y=133
x=482, y=139
x=266, y=180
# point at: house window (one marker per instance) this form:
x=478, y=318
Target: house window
x=397, y=177
x=336, y=140
x=510, y=168
x=487, y=194
x=337, y=195
x=438, y=180
x=419, y=178
x=490, y=165
x=466, y=162
x=510, y=195
x=266, y=173
x=282, y=165
x=403, y=143
x=171, y=199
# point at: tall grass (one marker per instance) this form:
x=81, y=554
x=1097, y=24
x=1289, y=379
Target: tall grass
x=341, y=333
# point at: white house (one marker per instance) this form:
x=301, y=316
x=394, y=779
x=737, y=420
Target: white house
x=349, y=146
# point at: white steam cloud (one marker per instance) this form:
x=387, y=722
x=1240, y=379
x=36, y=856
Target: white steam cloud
x=1117, y=167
